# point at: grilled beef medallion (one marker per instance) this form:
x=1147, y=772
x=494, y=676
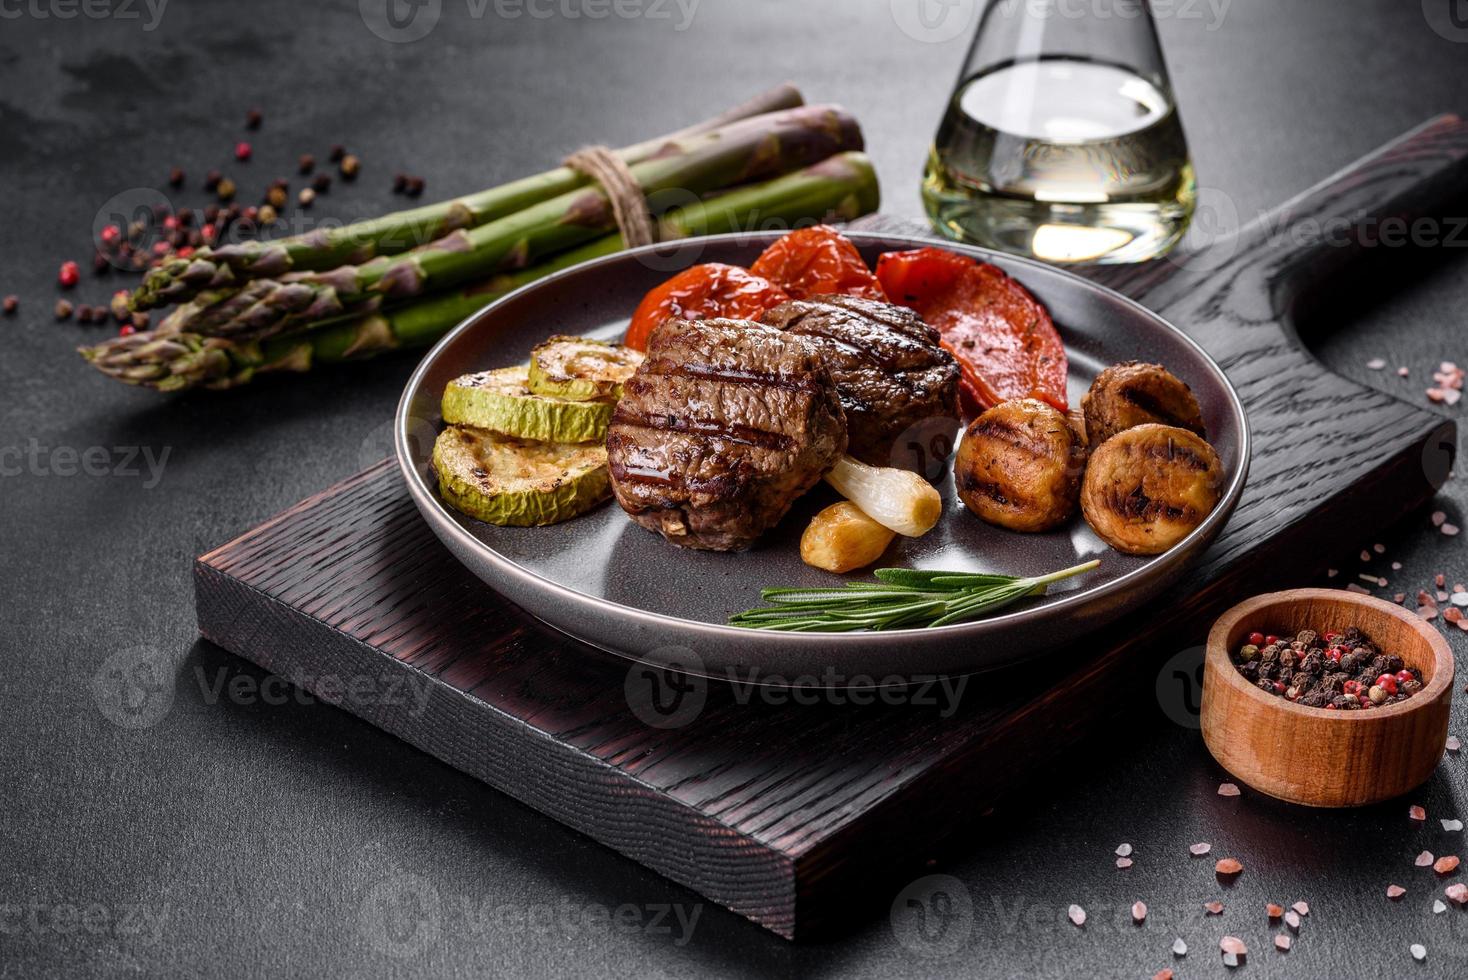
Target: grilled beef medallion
x=723, y=426
x=889, y=370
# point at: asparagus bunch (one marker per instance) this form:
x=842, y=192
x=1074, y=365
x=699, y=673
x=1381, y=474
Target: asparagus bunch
x=751, y=149
x=839, y=188
x=180, y=279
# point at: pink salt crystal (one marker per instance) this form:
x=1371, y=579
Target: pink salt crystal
x=1123, y=863
x=1424, y=859
x=1200, y=849
x=1453, y=744
x=1077, y=915
x=1376, y=364
x=1227, y=789
x=1437, y=520
x=1416, y=813
x=1458, y=893
x=1427, y=612
x=1395, y=892
x=1301, y=907
x=1282, y=942
x=1139, y=912
x=1451, y=530
x=1402, y=372
x=1453, y=614
x=1358, y=589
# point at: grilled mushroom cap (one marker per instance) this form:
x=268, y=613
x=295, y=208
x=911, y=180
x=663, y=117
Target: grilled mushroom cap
x=1149, y=487
x=1019, y=466
x=1132, y=394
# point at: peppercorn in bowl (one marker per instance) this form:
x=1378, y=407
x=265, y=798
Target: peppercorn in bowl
x=1325, y=697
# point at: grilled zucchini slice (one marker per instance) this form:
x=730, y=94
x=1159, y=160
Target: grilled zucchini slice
x=581, y=369
x=503, y=402
x=514, y=482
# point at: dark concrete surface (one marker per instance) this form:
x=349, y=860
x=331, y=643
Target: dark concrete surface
x=238, y=831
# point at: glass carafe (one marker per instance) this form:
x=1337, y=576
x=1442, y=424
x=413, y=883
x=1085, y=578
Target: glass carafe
x=1062, y=140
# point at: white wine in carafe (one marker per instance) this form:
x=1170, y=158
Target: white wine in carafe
x=1061, y=158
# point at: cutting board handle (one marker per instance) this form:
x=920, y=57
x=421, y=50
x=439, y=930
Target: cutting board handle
x=1386, y=200
x=1390, y=199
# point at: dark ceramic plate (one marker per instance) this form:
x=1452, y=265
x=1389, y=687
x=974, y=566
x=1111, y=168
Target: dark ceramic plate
x=607, y=581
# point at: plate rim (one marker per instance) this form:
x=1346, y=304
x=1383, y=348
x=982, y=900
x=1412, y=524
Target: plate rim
x=426, y=500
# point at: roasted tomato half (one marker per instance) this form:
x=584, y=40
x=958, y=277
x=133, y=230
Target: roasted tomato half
x=1003, y=338
x=818, y=261
x=704, y=292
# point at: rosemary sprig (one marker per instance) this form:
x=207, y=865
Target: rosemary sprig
x=902, y=598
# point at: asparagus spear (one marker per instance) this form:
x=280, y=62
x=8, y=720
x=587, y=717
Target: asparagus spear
x=748, y=150
x=179, y=279
x=838, y=189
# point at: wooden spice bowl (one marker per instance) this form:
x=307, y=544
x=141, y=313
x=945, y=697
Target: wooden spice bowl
x=1314, y=756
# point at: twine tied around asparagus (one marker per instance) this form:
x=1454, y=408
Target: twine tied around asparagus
x=629, y=206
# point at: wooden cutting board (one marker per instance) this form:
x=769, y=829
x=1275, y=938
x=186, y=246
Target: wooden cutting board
x=776, y=810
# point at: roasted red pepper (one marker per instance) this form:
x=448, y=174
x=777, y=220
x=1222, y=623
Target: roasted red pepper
x=817, y=261
x=701, y=293
x=1005, y=342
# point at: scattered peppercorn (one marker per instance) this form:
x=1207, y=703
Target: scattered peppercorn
x=83, y=314
x=212, y=179
x=306, y=164
x=307, y=197
x=140, y=321
x=68, y=275
x=11, y=304
x=63, y=309
x=321, y=184
x=266, y=214
x=254, y=118
x=399, y=183
x=224, y=189
x=242, y=151
x=127, y=330
x=175, y=177
x=100, y=263
x=350, y=166
x=118, y=305
x=337, y=152
x=276, y=197
x=1336, y=671
x=415, y=186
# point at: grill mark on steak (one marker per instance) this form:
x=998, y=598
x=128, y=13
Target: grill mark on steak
x=723, y=426
x=890, y=370
x=744, y=435
x=748, y=379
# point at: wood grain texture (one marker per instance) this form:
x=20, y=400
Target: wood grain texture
x=1313, y=756
x=780, y=811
